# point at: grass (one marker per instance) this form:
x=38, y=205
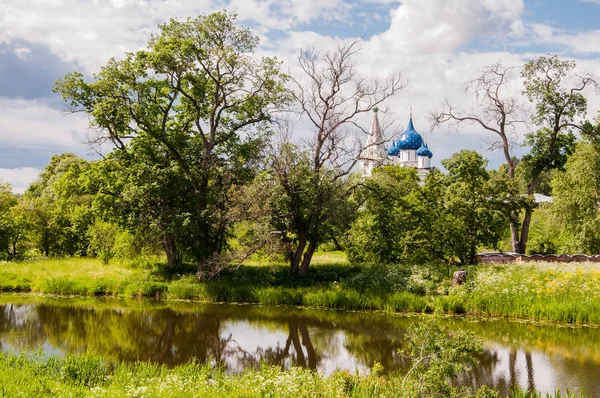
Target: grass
x=568, y=293
x=561, y=292
x=90, y=376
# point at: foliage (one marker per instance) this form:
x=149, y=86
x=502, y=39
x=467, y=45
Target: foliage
x=59, y=207
x=398, y=219
x=103, y=237
x=187, y=117
x=85, y=375
x=280, y=203
x=436, y=358
x=401, y=221
x=473, y=205
x=7, y=202
x=575, y=199
x=548, y=235
x=568, y=293
x=558, y=109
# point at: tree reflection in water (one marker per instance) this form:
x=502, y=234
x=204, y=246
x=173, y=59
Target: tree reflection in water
x=238, y=337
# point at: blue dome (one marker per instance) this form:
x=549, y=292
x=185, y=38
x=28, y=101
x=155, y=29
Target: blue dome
x=424, y=151
x=410, y=139
x=393, y=150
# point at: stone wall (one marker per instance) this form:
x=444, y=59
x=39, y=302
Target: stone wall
x=517, y=258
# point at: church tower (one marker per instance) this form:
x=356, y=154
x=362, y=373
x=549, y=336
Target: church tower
x=373, y=153
x=411, y=151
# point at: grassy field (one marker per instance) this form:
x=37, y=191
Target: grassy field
x=563, y=292
x=568, y=293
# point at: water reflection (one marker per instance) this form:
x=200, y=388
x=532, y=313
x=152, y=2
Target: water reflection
x=517, y=354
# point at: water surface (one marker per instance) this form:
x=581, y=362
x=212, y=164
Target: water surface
x=542, y=357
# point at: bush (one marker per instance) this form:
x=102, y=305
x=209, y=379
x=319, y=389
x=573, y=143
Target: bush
x=424, y=280
x=146, y=289
x=380, y=279
x=186, y=288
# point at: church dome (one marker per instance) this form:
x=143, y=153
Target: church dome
x=393, y=150
x=410, y=139
x=424, y=151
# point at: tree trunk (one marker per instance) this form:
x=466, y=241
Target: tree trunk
x=526, y=222
x=171, y=251
x=336, y=243
x=312, y=246
x=527, y=219
x=525, y=230
x=295, y=258
x=14, y=247
x=514, y=236
x=473, y=255
x=46, y=243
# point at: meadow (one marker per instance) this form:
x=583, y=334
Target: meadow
x=567, y=293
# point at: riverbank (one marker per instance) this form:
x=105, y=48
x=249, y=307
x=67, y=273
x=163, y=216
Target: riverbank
x=90, y=376
x=567, y=293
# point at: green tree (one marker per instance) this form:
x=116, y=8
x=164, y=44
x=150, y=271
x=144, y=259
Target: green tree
x=330, y=95
x=280, y=200
x=473, y=206
x=60, y=206
x=19, y=225
x=7, y=202
x=398, y=220
x=556, y=90
x=187, y=117
x=576, y=198
x=103, y=239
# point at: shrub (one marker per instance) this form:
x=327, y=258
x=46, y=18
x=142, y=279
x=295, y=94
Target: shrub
x=380, y=278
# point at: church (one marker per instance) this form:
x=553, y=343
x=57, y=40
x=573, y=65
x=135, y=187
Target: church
x=409, y=150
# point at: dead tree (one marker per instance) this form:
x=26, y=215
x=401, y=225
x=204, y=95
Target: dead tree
x=331, y=95
x=497, y=112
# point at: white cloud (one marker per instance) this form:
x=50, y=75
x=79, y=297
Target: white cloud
x=22, y=52
x=444, y=26
x=33, y=124
x=19, y=178
x=587, y=42
x=427, y=42
x=89, y=32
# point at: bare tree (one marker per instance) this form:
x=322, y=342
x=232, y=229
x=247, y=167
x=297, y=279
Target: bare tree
x=305, y=189
x=331, y=94
x=496, y=112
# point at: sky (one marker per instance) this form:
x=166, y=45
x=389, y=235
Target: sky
x=437, y=46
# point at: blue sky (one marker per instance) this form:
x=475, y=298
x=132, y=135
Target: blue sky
x=437, y=45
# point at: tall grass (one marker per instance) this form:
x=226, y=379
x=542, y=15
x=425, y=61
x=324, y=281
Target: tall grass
x=89, y=376
x=568, y=293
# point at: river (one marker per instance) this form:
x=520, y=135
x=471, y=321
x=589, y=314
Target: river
x=531, y=356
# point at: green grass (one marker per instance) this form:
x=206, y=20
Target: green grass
x=568, y=293
x=561, y=292
x=90, y=376
x=83, y=376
